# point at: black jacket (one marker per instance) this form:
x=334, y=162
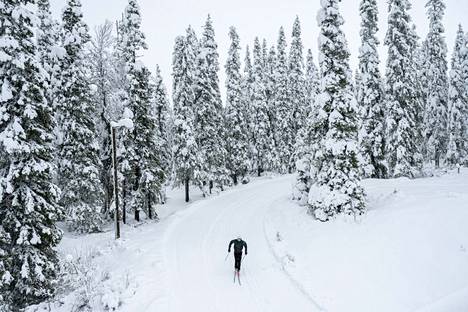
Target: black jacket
x=238, y=245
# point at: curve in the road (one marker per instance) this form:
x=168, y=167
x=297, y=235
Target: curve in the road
x=196, y=245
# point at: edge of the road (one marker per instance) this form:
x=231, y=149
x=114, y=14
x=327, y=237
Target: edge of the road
x=293, y=281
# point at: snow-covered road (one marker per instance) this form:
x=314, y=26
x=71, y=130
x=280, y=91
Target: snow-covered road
x=196, y=246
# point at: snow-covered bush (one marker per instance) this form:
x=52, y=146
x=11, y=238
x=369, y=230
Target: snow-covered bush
x=86, y=285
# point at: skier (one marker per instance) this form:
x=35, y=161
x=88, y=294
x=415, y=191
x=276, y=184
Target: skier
x=239, y=244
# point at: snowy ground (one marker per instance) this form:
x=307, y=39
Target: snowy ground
x=410, y=253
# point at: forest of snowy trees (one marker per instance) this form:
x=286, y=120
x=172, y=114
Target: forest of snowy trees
x=63, y=89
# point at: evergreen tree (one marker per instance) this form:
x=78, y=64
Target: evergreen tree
x=145, y=171
x=271, y=95
x=370, y=95
x=48, y=49
x=336, y=188
x=237, y=141
x=437, y=97
x=78, y=149
x=403, y=154
x=306, y=139
x=312, y=80
x=458, y=103
x=262, y=143
x=28, y=197
x=185, y=150
x=163, y=121
x=296, y=88
x=283, y=108
x=147, y=162
x=247, y=97
x=209, y=111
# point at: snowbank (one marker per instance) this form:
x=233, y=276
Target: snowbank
x=408, y=253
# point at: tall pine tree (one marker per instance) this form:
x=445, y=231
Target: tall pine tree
x=283, y=108
x=296, y=88
x=306, y=139
x=237, y=142
x=163, y=120
x=247, y=97
x=370, y=95
x=457, y=152
x=49, y=50
x=186, y=156
x=209, y=111
x=28, y=197
x=403, y=154
x=437, y=97
x=263, y=144
x=336, y=188
x=78, y=149
x=145, y=175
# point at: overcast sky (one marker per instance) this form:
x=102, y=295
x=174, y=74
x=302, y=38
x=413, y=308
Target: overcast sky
x=163, y=20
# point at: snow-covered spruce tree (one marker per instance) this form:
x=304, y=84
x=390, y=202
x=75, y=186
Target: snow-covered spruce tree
x=403, y=148
x=131, y=42
x=247, y=107
x=304, y=142
x=271, y=94
x=209, y=130
x=28, y=197
x=237, y=140
x=437, y=97
x=49, y=51
x=163, y=121
x=78, y=148
x=312, y=80
x=185, y=150
x=285, y=137
x=457, y=152
x=419, y=82
x=145, y=175
x=370, y=95
x=147, y=168
x=296, y=89
x=102, y=76
x=263, y=145
x=336, y=188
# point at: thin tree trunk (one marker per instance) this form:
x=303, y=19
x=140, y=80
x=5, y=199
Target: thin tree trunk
x=124, y=201
x=150, y=213
x=187, y=190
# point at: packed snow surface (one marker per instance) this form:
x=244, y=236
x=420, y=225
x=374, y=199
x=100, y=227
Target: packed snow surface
x=409, y=253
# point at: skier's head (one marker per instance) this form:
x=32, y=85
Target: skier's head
x=239, y=238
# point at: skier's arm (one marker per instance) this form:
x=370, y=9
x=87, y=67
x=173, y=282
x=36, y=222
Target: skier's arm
x=230, y=244
x=245, y=245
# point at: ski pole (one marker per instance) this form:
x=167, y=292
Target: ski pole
x=226, y=257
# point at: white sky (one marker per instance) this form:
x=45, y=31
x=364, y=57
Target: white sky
x=163, y=20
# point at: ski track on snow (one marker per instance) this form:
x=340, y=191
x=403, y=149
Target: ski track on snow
x=195, y=246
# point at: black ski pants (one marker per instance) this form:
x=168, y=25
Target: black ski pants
x=237, y=260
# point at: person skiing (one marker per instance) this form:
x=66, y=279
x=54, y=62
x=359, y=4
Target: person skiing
x=239, y=245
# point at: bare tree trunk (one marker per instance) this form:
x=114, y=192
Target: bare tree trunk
x=124, y=201
x=187, y=190
x=150, y=213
